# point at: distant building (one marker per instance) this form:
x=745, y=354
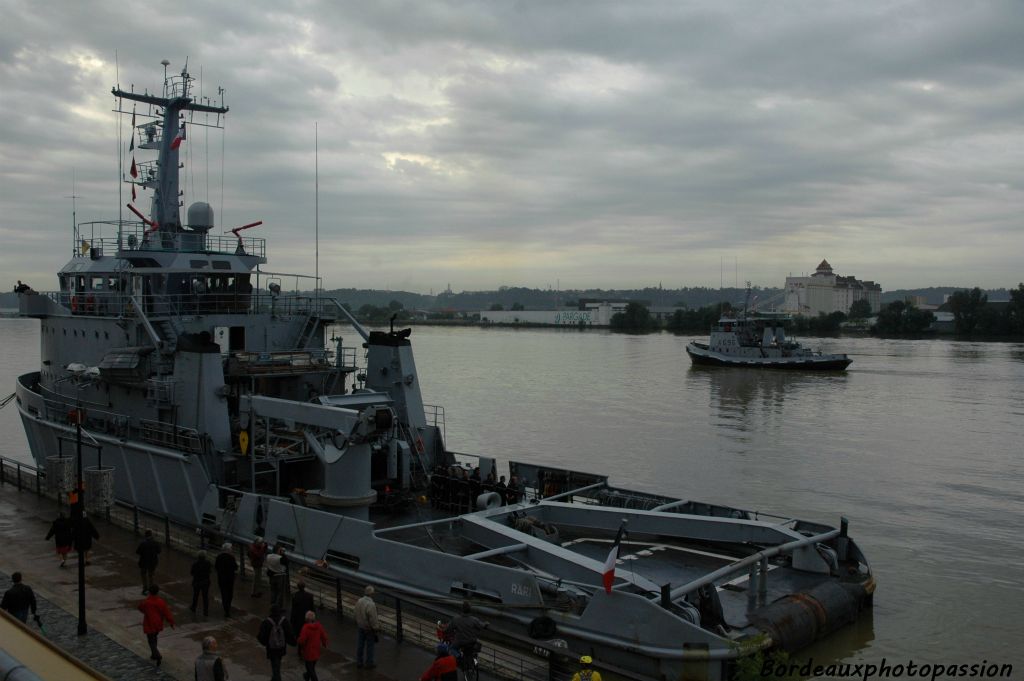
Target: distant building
x=589, y=313
x=825, y=291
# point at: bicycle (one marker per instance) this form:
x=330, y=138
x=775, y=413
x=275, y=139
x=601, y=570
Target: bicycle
x=469, y=662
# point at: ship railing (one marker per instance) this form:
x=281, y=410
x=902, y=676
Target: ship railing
x=435, y=416
x=348, y=358
x=116, y=303
x=60, y=409
x=124, y=237
x=405, y=618
x=171, y=435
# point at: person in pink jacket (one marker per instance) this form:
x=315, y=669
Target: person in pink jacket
x=154, y=613
x=311, y=641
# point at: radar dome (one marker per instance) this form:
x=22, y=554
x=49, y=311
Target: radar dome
x=200, y=216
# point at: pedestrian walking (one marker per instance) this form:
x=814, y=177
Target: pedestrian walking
x=227, y=568
x=154, y=613
x=257, y=557
x=276, y=635
x=201, y=570
x=276, y=575
x=368, y=624
x=302, y=602
x=209, y=665
x=83, y=531
x=62, y=535
x=149, y=556
x=311, y=642
x=19, y=599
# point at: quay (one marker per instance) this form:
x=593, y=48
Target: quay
x=115, y=646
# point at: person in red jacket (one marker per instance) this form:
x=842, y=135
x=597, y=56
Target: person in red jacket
x=154, y=613
x=444, y=668
x=312, y=638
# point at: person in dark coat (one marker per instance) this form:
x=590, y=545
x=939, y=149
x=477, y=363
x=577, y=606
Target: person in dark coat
x=149, y=557
x=302, y=602
x=502, y=489
x=63, y=537
x=201, y=570
x=257, y=557
x=276, y=634
x=19, y=599
x=209, y=666
x=83, y=531
x=227, y=568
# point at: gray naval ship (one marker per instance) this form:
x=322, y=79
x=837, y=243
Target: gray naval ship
x=213, y=396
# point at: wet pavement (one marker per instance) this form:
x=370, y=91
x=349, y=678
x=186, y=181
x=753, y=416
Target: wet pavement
x=117, y=646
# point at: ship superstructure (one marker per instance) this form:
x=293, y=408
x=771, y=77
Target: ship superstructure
x=213, y=396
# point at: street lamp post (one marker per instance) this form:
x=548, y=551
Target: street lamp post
x=79, y=515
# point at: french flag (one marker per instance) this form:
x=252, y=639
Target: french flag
x=179, y=138
x=613, y=555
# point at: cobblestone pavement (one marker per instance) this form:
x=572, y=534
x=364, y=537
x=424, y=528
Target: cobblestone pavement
x=95, y=649
x=113, y=592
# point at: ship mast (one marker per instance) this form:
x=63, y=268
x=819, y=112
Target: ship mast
x=176, y=99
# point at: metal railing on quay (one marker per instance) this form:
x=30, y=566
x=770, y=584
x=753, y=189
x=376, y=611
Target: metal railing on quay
x=405, y=619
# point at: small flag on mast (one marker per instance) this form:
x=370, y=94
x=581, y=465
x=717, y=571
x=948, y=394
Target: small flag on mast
x=133, y=191
x=131, y=147
x=134, y=172
x=613, y=555
x=176, y=142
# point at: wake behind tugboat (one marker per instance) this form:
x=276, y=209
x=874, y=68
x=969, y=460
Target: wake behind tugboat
x=213, y=397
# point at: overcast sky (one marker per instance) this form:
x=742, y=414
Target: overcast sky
x=579, y=144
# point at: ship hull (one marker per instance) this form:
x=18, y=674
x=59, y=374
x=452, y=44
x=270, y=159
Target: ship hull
x=155, y=479
x=702, y=356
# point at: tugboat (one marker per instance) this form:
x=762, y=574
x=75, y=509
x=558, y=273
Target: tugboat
x=212, y=396
x=759, y=341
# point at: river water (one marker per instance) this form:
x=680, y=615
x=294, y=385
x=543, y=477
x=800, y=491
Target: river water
x=918, y=444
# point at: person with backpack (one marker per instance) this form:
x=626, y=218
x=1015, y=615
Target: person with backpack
x=586, y=672
x=149, y=556
x=276, y=635
x=311, y=642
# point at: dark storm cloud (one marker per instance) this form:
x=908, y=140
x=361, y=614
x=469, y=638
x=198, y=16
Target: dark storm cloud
x=603, y=143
